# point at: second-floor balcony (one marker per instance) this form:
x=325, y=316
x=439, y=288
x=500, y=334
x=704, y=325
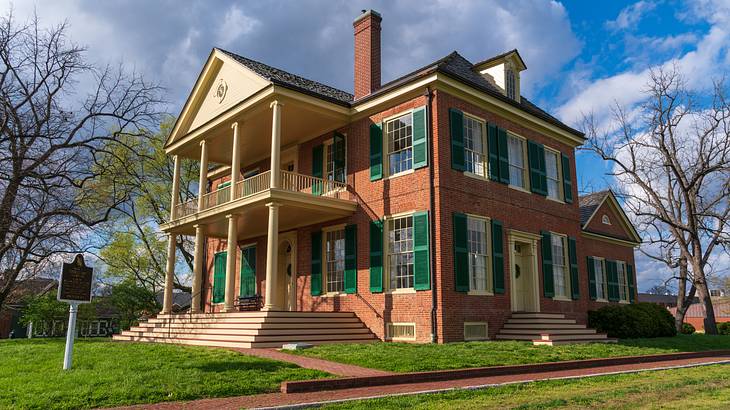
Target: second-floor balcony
x=303, y=198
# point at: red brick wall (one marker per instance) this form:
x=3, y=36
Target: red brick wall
x=609, y=251
x=367, y=55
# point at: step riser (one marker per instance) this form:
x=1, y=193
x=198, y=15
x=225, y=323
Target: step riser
x=538, y=316
x=254, y=332
x=569, y=342
x=542, y=326
x=542, y=321
x=271, y=320
x=551, y=331
x=247, y=326
x=251, y=338
x=259, y=314
x=242, y=345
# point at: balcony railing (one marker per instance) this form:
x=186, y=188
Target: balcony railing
x=289, y=181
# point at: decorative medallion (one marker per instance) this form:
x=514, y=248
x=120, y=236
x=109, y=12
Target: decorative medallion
x=220, y=91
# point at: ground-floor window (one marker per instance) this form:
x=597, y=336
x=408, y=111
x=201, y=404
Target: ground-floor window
x=600, y=273
x=478, y=247
x=219, y=277
x=335, y=257
x=401, y=331
x=623, y=286
x=561, y=277
x=400, y=252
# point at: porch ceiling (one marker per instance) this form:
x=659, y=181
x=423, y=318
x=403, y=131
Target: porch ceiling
x=302, y=118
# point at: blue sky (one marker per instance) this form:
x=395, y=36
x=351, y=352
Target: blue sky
x=582, y=56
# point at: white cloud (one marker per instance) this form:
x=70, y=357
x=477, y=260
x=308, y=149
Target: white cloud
x=235, y=24
x=629, y=16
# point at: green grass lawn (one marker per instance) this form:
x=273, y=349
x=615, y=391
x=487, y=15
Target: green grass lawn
x=109, y=373
x=706, y=387
x=404, y=357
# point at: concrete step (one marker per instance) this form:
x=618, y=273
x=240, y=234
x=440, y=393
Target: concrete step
x=540, y=342
x=254, y=332
x=542, y=326
x=550, y=331
x=537, y=315
x=256, y=314
x=252, y=325
x=588, y=336
x=242, y=345
x=250, y=338
x=540, y=320
x=232, y=320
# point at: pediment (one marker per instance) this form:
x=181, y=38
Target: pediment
x=222, y=84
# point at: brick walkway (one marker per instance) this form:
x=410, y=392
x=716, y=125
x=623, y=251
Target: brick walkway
x=339, y=369
x=298, y=399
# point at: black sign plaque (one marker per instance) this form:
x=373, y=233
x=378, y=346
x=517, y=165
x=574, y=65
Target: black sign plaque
x=75, y=284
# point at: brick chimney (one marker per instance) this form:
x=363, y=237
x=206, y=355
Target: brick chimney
x=367, y=53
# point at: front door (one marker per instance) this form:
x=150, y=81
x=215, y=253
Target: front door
x=523, y=278
x=287, y=271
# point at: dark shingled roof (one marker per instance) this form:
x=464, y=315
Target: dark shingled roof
x=293, y=81
x=589, y=203
x=453, y=65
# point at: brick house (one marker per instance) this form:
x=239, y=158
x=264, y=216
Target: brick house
x=433, y=207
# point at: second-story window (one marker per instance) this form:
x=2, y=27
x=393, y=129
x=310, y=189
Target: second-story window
x=552, y=174
x=475, y=152
x=399, y=136
x=516, y=153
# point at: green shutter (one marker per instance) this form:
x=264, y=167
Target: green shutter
x=421, y=260
x=316, y=277
x=317, y=164
x=219, y=277
x=248, y=271
x=339, y=152
x=630, y=281
x=376, y=256
x=536, y=160
x=461, y=253
x=592, y=291
x=547, y=265
x=351, y=259
x=498, y=256
x=567, y=180
x=573, y=259
x=612, y=279
x=376, y=152
x=493, y=148
x=420, y=138
x=503, y=156
x=456, y=126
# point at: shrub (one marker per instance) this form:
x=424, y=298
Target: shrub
x=723, y=328
x=687, y=328
x=636, y=320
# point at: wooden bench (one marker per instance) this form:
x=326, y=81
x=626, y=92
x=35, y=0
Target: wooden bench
x=248, y=303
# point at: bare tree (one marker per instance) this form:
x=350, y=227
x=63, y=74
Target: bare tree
x=52, y=141
x=670, y=160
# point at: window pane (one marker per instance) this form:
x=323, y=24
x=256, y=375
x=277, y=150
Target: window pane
x=553, y=180
x=400, y=252
x=478, y=257
x=559, y=269
x=400, y=139
x=335, y=253
x=600, y=279
x=516, y=161
x=621, y=281
x=474, y=147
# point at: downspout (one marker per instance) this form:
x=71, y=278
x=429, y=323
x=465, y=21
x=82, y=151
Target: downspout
x=432, y=217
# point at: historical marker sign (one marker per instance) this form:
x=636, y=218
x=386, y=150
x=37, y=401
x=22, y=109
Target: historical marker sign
x=76, y=280
x=74, y=288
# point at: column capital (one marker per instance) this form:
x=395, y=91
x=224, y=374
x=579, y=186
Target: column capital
x=234, y=125
x=275, y=103
x=273, y=204
x=202, y=142
x=231, y=216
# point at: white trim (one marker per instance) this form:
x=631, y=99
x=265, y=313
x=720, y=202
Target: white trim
x=486, y=331
x=386, y=150
x=407, y=339
x=525, y=163
x=566, y=268
x=386, y=255
x=531, y=239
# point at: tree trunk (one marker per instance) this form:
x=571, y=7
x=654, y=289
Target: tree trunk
x=704, y=293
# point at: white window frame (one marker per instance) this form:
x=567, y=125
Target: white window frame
x=390, y=337
x=566, y=267
x=387, y=253
x=486, y=328
x=485, y=148
x=623, y=284
x=525, y=163
x=489, y=289
x=606, y=220
x=604, y=278
x=510, y=82
x=559, y=173
x=386, y=145
x=326, y=150
x=326, y=270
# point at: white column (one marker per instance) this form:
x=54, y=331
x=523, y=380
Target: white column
x=175, y=187
x=275, y=145
x=235, y=161
x=203, y=180
x=170, y=274
x=198, y=261
x=271, y=301
x=231, y=261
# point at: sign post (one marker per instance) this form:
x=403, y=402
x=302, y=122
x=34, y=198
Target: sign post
x=74, y=288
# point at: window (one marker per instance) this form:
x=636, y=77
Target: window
x=510, y=83
x=516, y=153
x=475, y=331
x=553, y=175
x=335, y=257
x=475, y=152
x=561, y=277
x=606, y=220
x=399, y=134
x=332, y=172
x=478, y=254
x=400, y=252
x=601, y=283
x=401, y=331
x=623, y=286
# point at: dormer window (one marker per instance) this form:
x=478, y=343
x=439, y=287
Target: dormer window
x=510, y=83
